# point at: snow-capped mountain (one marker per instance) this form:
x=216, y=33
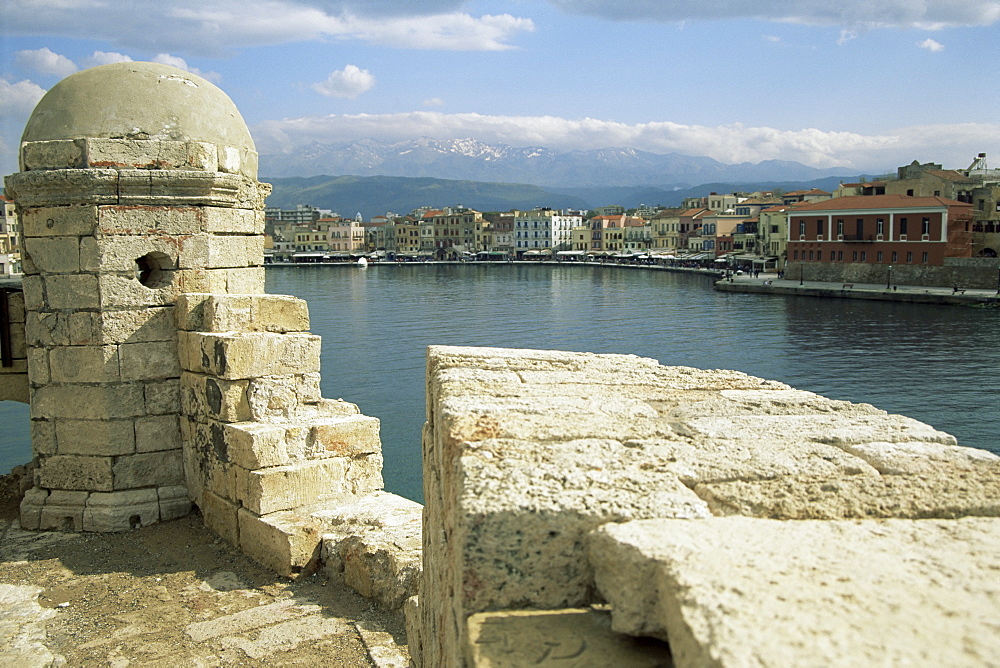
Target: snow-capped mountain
x=470, y=159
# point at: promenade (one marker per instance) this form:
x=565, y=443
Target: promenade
x=914, y=294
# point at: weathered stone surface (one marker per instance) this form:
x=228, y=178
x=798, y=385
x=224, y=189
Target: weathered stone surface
x=889, y=592
x=38, y=366
x=54, y=255
x=280, y=313
x=22, y=628
x=153, y=360
x=174, y=502
x=250, y=355
x=149, y=469
x=254, y=445
x=221, y=516
x=78, y=220
x=95, y=437
x=57, y=154
x=119, y=253
x=374, y=546
x=205, y=397
x=71, y=291
x=63, y=510
x=273, y=397
x=84, y=364
x=14, y=387
x=571, y=637
x=347, y=436
x=286, y=487
x=162, y=397
x=76, y=472
x=88, y=402
x=233, y=221
x=206, y=251
x=121, y=511
x=154, y=433
x=285, y=542
x=918, y=457
x=948, y=492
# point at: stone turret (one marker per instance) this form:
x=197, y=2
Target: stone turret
x=137, y=184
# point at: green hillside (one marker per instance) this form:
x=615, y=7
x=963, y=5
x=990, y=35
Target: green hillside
x=374, y=195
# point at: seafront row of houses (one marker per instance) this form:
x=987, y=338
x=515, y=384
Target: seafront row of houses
x=925, y=216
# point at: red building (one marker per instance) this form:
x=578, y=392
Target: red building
x=880, y=229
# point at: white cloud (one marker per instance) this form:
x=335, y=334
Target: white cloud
x=209, y=28
x=852, y=13
x=950, y=144
x=45, y=61
x=434, y=102
x=346, y=83
x=105, y=58
x=772, y=38
x=18, y=99
x=181, y=64
x=846, y=36
x=932, y=45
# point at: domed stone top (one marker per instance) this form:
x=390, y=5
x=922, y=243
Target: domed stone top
x=141, y=101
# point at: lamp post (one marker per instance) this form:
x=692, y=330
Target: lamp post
x=888, y=280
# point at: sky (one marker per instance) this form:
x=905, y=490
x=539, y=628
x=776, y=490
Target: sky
x=867, y=85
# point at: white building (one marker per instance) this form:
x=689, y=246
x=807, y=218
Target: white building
x=541, y=229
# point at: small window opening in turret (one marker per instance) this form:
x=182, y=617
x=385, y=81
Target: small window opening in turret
x=154, y=270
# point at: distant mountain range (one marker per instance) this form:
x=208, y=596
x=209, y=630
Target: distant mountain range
x=469, y=159
x=375, y=195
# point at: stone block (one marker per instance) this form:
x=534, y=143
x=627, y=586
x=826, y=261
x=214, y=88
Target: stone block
x=202, y=280
x=174, y=502
x=273, y=397
x=76, y=472
x=43, y=437
x=221, y=516
x=124, y=291
x=233, y=221
x=914, y=457
x=54, y=255
x=64, y=187
x=346, y=436
x=15, y=306
x=136, y=153
x=245, y=280
x=105, y=438
x=84, y=328
x=254, y=445
x=888, y=592
x=214, y=398
x=148, y=361
x=168, y=221
x=227, y=313
x=88, y=402
x=121, y=511
x=31, y=508
x=143, y=325
x=364, y=474
x=202, y=156
x=120, y=253
x=189, y=311
x=149, y=469
x=575, y=636
x=63, y=511
x=250, y=355
x=71, y=292
x=373, y=545
x=280, y=313
x=69, y=221
x=34, y=293
x=84, y=364
x=287, y=487
x=186, y=187
x=163, y=397
x=208, y=251
x=206, y=459
x=57, y=154
x=47, y=329
x=155, y=433
x=285, y=542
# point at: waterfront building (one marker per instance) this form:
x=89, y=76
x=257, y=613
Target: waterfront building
x=638, y=235
x=665, y=230
x=544, y=229
x=813, y=195
x=880, y=229
x=344, y=236
x=10, y=250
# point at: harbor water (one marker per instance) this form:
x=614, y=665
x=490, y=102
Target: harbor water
x=937, y=364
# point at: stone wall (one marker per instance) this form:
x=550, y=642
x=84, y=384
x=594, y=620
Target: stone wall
x=976, y=273
x=14, y=378
x=738, y=519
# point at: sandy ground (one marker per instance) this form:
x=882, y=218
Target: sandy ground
x=174, y=594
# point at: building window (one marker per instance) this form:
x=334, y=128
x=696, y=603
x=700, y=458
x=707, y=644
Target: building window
x=902, y=225
x=894, y=256
x=864, y=256
x=810, y=255
x=854, y=257
x=878, y=257
x=861, y=228
x=840, y=256
x=924, y=258
x=925, y=227
x=879, y=226
x=840, y=227
x=795, y=255
x=802, y=228
x=819, y=256
x=819, y=227
x=909, y=257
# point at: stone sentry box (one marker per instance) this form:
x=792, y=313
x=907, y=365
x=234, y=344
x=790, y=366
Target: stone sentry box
x=137, y=184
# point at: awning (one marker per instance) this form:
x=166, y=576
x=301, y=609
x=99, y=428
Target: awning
x=308, y=254
x=576, y=252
